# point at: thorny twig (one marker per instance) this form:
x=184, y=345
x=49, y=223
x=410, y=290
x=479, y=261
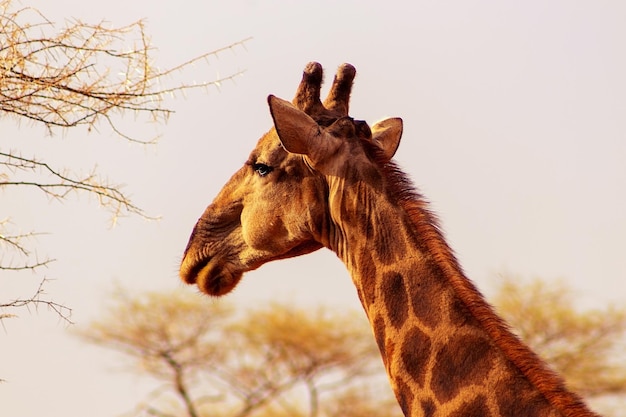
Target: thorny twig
x=80, y=74
x=14, y=243
x=77, y=75
x=37, y=300
x=109, y=196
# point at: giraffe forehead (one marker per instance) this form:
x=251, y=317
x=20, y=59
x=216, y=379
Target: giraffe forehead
x=268, y=149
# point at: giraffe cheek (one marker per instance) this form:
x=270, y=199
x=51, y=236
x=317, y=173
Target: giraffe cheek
x=263, y=233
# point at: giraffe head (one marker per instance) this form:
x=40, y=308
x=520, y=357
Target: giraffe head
x=280, y=203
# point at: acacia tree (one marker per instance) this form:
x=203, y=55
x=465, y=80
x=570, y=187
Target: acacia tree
x=324, y=352
x=77, y=75
x=276, y=360
x=280, y=360
x=587, y=347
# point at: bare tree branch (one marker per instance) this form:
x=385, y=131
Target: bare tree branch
x=109, y=196
x=78, y=74
x=14, y=243
x=36, y=300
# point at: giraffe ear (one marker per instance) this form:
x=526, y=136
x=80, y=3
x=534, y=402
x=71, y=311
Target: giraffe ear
x=295, y=128
x=386, y=134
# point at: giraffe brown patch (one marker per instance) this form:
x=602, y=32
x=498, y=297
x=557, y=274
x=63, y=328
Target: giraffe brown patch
x=416, y=239
x=356, y=211
x=351, y=214
x=416, y=351
x=396, y=300
x=426, y=291
x=428, y=407
x=379, y=334
x=405, y=397
x=365, y=263
x=361, y=297
x=460, y=314
x=383, y=248
x=367, y=272
x=387, y=244
x=464, y=360
x=516, y=396
x=476, y=407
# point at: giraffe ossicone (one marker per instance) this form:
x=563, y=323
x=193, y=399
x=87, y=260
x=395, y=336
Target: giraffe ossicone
x=319, y=178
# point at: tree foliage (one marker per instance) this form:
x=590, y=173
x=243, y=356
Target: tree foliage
x=82, y=73
x=587, y=347
x=282, y=360
x=276, y=360
x=79, y=74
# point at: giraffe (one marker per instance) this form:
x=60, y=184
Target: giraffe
x=319, y=178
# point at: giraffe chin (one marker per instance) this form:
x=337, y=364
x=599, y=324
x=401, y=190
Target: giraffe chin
x=217, y=280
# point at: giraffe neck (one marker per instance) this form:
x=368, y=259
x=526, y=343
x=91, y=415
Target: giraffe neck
x=445, y=351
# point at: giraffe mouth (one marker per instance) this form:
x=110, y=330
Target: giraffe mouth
x=217, y=276
x=211, y=277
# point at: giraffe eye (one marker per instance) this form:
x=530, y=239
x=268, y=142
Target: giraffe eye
x=262, y=169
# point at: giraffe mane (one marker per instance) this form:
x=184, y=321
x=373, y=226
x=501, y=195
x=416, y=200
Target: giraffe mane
x=427, y=229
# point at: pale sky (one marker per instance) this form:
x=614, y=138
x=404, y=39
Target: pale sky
x=515, y=130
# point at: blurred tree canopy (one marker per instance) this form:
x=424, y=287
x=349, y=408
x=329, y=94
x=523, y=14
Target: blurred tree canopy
x=283, y=360
x=275, y=360
x=80, y=74
x=587, y=347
